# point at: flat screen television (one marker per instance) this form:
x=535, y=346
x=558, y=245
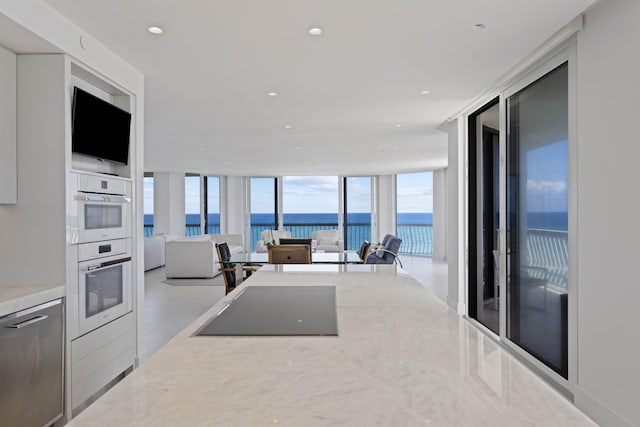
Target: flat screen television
x=99, y=129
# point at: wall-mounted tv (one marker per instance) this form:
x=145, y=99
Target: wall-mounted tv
x=99, y=129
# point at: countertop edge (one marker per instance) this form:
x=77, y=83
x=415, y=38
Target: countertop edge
x=13, y=299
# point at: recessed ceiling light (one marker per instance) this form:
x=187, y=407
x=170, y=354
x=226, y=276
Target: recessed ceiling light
x=227, y=163
x=399, y=125
x=315, y=31
x=298, y=148
x=155, y=30
x=478, y=27
x=288, y=126
x=425, y=92
x=273, y=94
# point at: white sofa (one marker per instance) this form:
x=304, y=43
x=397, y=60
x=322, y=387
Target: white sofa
x=268, y=236
x=154, y=251
x=196, y=257
x=327, y=241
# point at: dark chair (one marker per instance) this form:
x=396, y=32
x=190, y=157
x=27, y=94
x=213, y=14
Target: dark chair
x=290, y=254
x=386, y=252
x=228, y=269
x=363, y=252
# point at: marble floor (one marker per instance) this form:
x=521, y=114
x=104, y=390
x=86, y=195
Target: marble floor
x=171, y=305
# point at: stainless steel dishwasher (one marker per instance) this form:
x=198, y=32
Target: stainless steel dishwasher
x=31, y=366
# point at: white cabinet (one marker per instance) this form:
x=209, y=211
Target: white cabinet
x=8, y=165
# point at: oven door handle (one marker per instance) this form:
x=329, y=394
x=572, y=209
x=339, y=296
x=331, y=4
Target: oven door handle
x=102, y=198
x=108, y=263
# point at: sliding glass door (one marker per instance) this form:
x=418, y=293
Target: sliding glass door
x=537, y=219
x=484, y=219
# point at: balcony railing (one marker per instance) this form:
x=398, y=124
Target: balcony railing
x=190, y=229
x=417, y=239
x=549, y=249
x=545, y=248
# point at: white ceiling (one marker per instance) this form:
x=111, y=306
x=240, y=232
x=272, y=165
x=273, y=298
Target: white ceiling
x=352, y=95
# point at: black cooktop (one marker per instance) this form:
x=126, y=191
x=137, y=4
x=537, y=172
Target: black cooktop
x=277, y=311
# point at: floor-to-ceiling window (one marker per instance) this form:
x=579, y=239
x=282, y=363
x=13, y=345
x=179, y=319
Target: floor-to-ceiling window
x=357, y=211
x=537, y=219
x=192, y=204
x=414, y=193
x=148, y=204
x=309, y=203
x=264, y=207
x=212, y=204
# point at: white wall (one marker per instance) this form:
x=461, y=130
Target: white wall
x=39, y=18
x=608, y=202
x=439, y=215
x=168, y=203
x=454, y=191
x=33, y=251
x=8, y=159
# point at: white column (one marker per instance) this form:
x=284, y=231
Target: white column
x=439, y=215
x=454, y=224
x=234, y=204
x=386, y=206
x=168, y=205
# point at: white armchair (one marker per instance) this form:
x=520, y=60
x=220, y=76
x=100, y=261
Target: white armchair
x=327, y=241
x=268, y=236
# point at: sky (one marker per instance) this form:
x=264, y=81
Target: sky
x=311, y=194
x=548, y=177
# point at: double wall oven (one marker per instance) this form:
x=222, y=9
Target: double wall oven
x=100, y=232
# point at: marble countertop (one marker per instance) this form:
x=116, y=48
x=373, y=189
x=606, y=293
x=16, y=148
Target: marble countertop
x=18, y=298
x=402, y=358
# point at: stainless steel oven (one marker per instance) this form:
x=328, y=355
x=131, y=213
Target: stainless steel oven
x=104, y=283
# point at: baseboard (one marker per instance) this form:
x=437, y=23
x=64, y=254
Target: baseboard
x=459, y=307
x=597, y=410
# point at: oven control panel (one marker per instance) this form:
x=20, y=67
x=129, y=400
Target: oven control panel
x=94, y=250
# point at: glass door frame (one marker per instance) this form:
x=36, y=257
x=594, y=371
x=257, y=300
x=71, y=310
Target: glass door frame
x=563, y=54
x=474, y=209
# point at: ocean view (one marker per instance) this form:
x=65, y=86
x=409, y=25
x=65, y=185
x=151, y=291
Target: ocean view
x=306, y=218
x=414, y=228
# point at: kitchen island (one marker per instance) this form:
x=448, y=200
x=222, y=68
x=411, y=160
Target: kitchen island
x=401, y=358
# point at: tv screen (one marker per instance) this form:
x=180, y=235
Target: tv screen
x=99, y=129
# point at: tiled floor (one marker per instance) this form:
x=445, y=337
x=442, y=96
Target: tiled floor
x=169, y=308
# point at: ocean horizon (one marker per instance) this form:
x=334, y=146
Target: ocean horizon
x=309, y=218
x=556, y=221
